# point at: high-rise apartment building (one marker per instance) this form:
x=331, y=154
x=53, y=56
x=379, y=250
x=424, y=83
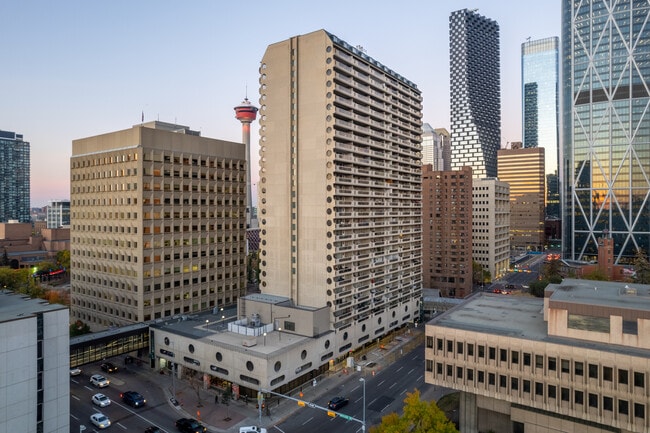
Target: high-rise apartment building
x=14, y=178
x=157, y=224
x=447, y=231
x=491, y=225
x=339, y=189
x=475, y=92
x=58, y=214
x=523, y=169
x=605, y=172
x=436, y=148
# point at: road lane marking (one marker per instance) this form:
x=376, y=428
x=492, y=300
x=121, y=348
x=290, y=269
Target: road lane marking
x=394, y=383
x=403, y=392
x=76, y=398
x=308, y=420
x=380, y=383
x=121, y=426
x=358, y=400
x=397, y=371
x=410, y=371
x=74, y=417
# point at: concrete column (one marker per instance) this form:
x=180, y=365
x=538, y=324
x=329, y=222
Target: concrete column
x=468, y=413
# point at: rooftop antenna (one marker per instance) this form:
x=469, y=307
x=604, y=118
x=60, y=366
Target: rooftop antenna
x=528, y=39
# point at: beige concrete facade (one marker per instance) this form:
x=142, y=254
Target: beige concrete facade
x=524, y=169
x=447, y=231
x=157, y=224
x=339, y=191
x=577, y=361
x=491, y=225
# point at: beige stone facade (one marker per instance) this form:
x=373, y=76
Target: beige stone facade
x=447, y=231
x=491, y=225
x=157, y=224
x=577, y=361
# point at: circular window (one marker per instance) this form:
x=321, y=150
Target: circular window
x=393, y=314
x=328, y=49
x=406, y=307
x=219, y=356
x=327, y=344
x=329, y=292
x=329, y=304
x=249, y=366
x=328, y=72
x=329, y=83
x=277, y=366
x=328, y=60
x=264, y=273
x=264, y=283
x=166, y=341
x=363, y=328
x=345, y=335
x=191, y=348
x=379, y=321
x=329, y=234
x=303, y=355
x=328, y=246
x=329, y=281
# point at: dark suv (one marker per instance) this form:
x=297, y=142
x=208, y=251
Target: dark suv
x=189, y=425
x=133, y=398
x=109, y=367
x=337, y=403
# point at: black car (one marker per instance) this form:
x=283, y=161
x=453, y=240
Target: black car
x=109, y=367
x=133, y=398
x=189, y=425
x=338, y=402
x=153, y=429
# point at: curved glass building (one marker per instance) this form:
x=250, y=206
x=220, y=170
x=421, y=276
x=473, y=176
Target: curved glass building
x=606, y=126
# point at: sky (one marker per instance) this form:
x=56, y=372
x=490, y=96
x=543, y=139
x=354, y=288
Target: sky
x=78, y=68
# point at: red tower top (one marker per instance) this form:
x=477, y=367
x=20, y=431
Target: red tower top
x=246, y=112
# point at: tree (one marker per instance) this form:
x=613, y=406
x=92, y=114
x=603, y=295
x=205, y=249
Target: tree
x=79, y=328
x=596, y=275
x=418, y=417
x=641, y=267
x=537, y=288
x=63, y=258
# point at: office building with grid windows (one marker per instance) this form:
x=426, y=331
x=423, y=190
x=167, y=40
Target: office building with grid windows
x=576, y=361
x=14, y=178
x=157, y=224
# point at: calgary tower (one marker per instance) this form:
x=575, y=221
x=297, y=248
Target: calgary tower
x=246, y=113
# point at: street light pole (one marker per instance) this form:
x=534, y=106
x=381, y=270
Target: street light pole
x=207, y=323
x=265, y=338
x=363, y=425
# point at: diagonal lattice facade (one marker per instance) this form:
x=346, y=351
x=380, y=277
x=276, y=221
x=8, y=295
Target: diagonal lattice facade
x=606, y=126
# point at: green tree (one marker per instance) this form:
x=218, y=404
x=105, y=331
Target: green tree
x=418, y=417
x=596, y=275
x=537, y=288
x=79, y=328
x=63, y=258
x=641, y=267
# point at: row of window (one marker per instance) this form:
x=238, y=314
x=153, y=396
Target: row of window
x=512, y=359
x=510, y=384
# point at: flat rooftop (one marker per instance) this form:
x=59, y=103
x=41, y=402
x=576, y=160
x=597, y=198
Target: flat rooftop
x=602, y=294
x=16, y=306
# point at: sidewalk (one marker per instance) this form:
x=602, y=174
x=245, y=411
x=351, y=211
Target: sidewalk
x=218, y=417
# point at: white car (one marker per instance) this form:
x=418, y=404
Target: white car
x=252, y=429
x=75, y=371
x=101, y=400
x=99, y=381
x=100, y=420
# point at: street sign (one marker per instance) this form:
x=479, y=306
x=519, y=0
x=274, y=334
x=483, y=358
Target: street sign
x=344, y=416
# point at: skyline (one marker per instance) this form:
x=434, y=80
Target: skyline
x=82, y=70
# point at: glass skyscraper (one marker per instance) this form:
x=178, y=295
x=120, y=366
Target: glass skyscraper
x=540, y=105
x=14, y=177
x=605, y=168
x=475, y=92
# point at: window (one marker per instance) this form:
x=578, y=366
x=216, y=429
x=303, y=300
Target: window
x=429, y=342
x=608, y=373
x=565, y=366
x=429, y=365
x=622, y=377
x=450, y=346
x=503, y=355
x=593, y=371
x=578, y=397
x=470, y=349
x=514, y=383
x=470, y=374
x=539, y=361
x=526, y=385
x=481, y=351
x=450, y=371
x=552, y=364
x=492, y=378
x=593, y=400
x=579, y=368
x=503, y=381
x=639, y=410
x=527, y=359
x=623, y=407
x=459, y=372
x=564, y=394
x=539, y=388
x=608, y=403
x=493, y=353
x=440, y=343
x=639, y=379
x=515, y=357
x=481, y=377
x=439, y=368
x=552, y=391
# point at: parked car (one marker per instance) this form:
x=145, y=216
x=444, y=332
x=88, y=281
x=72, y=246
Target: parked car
x=100, y=420
x=109, y=367
x=189, y=425
x=76, y=371
x=99, y=381
x=153, y=429
x=338, y=402
x=100, y=400
x=133, y=398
